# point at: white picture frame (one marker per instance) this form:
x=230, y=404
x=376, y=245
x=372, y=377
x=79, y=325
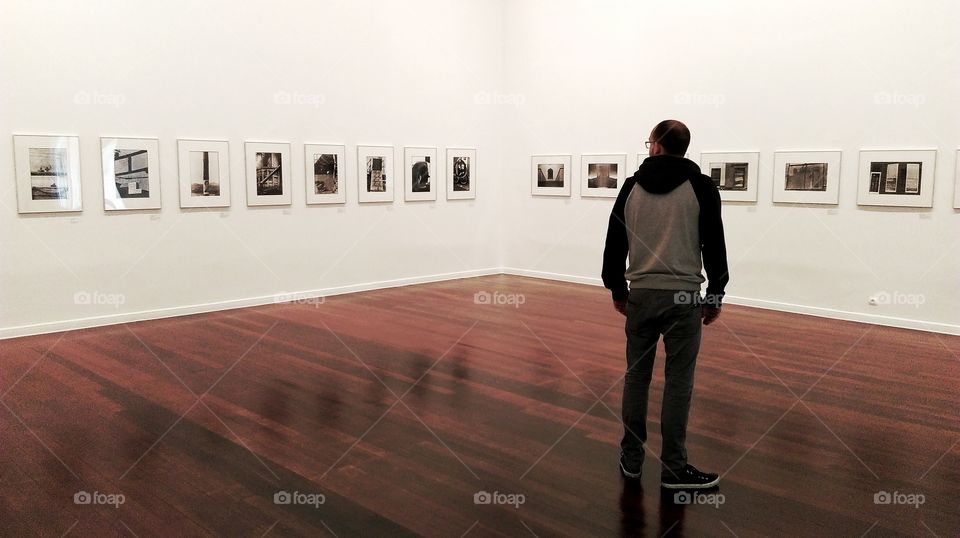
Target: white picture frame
x=461, y=173
x=47, y=168
x=377, y=163
x=956, y=187
x=131, y=173
x=420, y=174
x=807, y=177
x=204, y=173
x=556, y=175
x=602, y=174
x=730, y=169
x=325, y=171
x=898, y=178
x=268, y=167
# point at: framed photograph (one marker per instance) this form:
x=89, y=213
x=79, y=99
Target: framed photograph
x=956, y=188
x=461, y=174
x=204, y=169
x=601, y=176
x=420, y=166
x=325, y=166
x=806, y=177
x=268, y=174
x=901, y=178
x=375, y=175
x=131, y=173
x=734, y=174
x=48, y=173
x=550, y=175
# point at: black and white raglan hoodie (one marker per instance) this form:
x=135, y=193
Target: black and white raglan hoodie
x=666, y=218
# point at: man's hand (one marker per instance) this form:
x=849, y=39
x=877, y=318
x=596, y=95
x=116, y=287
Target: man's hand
x=710, y=314
x=620, y=306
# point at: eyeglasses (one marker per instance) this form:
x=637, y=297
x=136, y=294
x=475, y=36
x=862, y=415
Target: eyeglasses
x=647, y=144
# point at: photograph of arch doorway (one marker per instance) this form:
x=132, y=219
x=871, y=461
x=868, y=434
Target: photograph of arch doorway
x=550, y=175
x=601, y=175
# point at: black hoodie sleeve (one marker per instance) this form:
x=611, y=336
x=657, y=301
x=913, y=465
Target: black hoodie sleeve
x=617, y=246
x=712, y=243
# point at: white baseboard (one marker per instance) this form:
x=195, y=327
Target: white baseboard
x=553, y=276
x=160, y=313
x=862, y=317
x=127, y=317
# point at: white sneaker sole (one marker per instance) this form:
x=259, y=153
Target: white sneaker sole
x=627, y=473
x=705, y=485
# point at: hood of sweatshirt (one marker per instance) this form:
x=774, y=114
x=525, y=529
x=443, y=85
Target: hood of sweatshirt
x=661, y=174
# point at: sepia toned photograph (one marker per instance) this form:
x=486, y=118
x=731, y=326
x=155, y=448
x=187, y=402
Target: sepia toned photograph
x=326, y=173
x=204, y=168
x=602, y=175
x=806, y=177
x=204, y=173
x=376, y=174
x=729, y=176
x=735, y=173
x=48, y=174
x=899, y=178
x=550, y=175
x=269, y=174
x=461, y=168
x=131, y=173
x=420, y=174
x=324, y=169
x=461, y=174
x=419, y=185
x=895, y=177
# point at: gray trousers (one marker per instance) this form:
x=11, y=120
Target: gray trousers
x=676, y=316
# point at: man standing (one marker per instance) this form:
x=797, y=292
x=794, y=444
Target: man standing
x=666, y=217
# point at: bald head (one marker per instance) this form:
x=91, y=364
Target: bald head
x=672, y=136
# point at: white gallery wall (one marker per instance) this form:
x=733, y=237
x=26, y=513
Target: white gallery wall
x=351, y=72
x=596, y=76
x=511, y=78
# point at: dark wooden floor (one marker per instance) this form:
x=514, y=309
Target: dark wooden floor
x=399, y=405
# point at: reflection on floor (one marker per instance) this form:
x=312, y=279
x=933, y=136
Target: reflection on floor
x=484, y=407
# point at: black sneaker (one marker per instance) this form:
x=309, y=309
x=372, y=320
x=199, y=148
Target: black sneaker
x=627, y=472
x=690, y=478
